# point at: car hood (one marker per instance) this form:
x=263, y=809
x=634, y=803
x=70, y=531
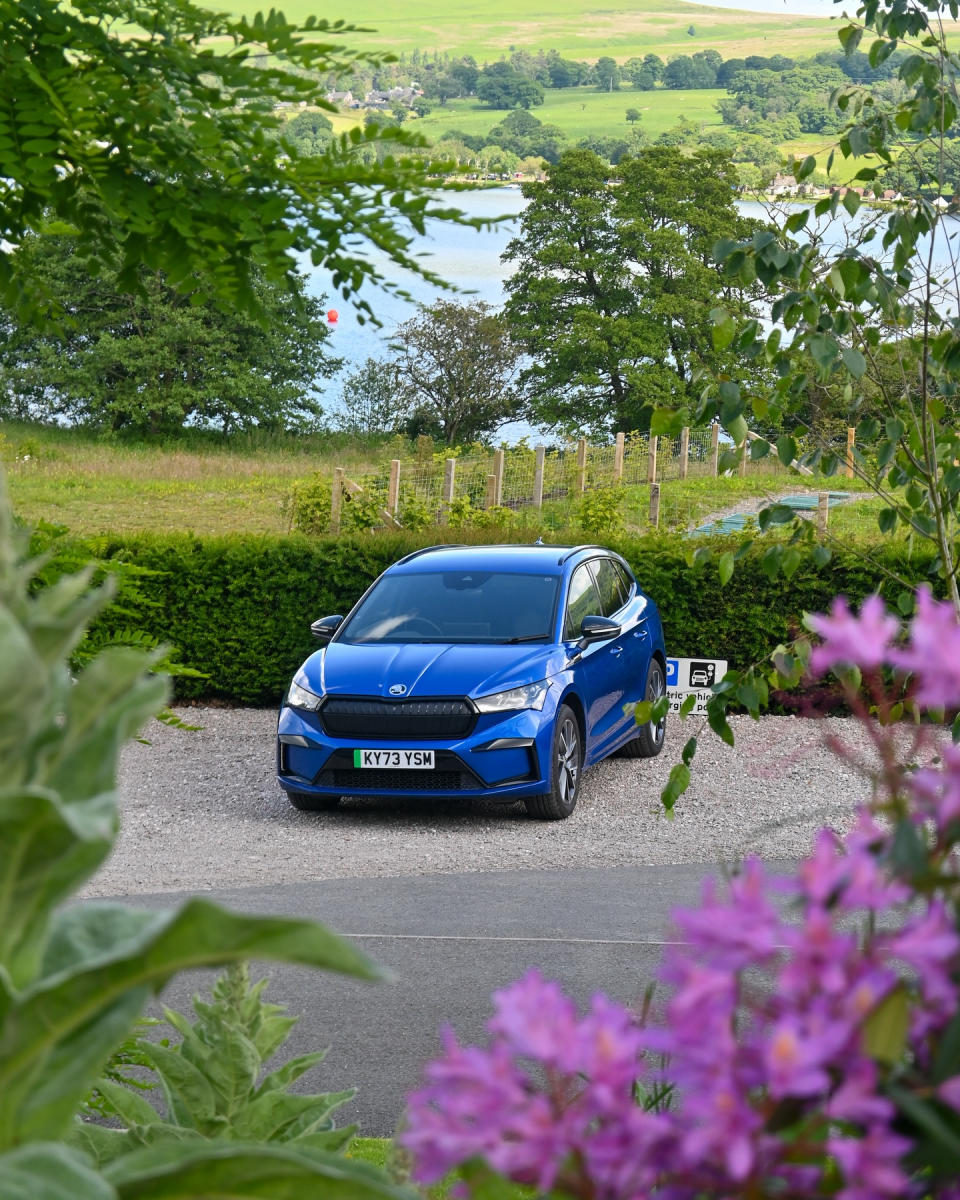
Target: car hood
x=428, y=669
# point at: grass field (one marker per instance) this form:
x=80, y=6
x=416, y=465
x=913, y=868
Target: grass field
x=583, y=112
x=489, y=28
x=92, y=486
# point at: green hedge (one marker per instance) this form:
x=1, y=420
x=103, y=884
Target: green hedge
x=239, y=608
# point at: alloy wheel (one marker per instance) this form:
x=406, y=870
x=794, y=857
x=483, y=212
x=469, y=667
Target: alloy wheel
x=568, y=759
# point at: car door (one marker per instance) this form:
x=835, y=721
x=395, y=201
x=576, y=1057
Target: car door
x=623, y=603
x=600, y=671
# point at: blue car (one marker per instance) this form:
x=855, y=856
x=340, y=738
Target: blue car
x=490, y=671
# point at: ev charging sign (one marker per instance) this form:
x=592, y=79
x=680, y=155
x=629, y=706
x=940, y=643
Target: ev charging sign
x=696, y=676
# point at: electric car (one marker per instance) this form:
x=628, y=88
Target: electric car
x=498, y=672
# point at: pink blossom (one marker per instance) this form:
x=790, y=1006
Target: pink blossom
x=862, y=641
x=933, y=652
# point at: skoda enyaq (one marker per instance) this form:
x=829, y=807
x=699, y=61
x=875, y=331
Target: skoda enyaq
x=490, y=671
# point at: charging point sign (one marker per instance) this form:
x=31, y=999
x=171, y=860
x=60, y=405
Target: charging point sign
x=696, y=676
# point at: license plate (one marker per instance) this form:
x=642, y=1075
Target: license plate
x=404, y=760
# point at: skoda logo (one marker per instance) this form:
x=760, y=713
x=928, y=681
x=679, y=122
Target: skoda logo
x=397, y=689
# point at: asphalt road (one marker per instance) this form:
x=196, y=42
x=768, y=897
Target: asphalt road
x=451, y=940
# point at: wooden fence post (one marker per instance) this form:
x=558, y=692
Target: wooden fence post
x=684, y=450
x=538, y=477
x=336, y=499
x=498, y=460
x=655, y=505
x=618, y=457
x=851, y=440
x=744, y=455
x=393, y=491
x=823, y=512
x=714, y=448
x=491, y=497
x=652, y=459
x=581, y=466
x=449, y=481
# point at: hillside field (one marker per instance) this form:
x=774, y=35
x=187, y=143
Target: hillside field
x=489, y=28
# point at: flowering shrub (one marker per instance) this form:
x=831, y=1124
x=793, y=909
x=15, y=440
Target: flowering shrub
x=811, y=1030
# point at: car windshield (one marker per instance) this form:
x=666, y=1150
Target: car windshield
x=456, y=606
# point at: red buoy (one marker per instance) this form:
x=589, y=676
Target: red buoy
x=333, y=316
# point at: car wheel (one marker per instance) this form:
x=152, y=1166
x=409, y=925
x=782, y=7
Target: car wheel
x=566, y=768
x=649, y=741
x=307, y=802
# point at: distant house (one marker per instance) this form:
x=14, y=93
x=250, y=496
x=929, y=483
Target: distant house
x=344, y=99
x=784, y=185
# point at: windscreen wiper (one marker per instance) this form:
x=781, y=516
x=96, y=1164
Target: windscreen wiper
x=527, y=637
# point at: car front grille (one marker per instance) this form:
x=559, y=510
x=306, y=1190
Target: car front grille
x=385, y=719
x=396, y=781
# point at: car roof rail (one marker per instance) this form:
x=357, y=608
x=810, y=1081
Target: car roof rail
x=576, y=550
x=426, y=550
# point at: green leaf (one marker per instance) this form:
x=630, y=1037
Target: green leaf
x=737, y=428
x=689, y=750
x=717, y=719
x=821, y=554
x=49, y=1171
x=786, y=449
x=186, y=1171
x=887, y=519
x=189, y=1096
x=725, y=568
x=102, y=963
x=129, y=1106
x=851, y=202
x=884, y=1032
x=688, y=705
x=806, y=168
x=677, y=784
x=855, y=363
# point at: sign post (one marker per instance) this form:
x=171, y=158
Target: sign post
x=693, y=676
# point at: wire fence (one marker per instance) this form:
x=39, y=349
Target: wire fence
x=434, y=489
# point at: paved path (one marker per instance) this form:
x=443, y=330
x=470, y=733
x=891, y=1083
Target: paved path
x=450, y=940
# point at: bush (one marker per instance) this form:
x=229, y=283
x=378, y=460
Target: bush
x=238, y=608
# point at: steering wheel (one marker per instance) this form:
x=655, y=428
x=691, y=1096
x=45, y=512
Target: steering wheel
x=424, y=623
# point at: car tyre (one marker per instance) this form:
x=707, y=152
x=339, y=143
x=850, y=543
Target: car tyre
x=307, y=802
x=566, y=768
x=649, y=741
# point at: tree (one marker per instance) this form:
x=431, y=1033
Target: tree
x=371, y=400
x=457, y=366
x=501, y=86
x=310, y=131
x=523, y=134
x=613, y=286
x=153, y=361
x=141, y=128
x=634, y=114
x=879, y=326
x=607, y=74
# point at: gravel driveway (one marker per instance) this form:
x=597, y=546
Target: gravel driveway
x=202, y=810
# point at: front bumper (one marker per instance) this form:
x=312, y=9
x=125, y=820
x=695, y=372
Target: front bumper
x=505, y=757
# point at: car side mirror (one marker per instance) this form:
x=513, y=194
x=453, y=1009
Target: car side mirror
x=324, y=629
x=597, y=629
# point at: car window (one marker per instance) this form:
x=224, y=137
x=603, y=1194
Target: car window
x=582, y=601
x=626, y=582
x=609, y=585
x=455, y=606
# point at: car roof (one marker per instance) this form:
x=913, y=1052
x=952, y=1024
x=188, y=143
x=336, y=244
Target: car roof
x=536, y=558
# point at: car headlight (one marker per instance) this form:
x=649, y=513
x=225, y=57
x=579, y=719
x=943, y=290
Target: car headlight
x=530, y=695
x=301, y=697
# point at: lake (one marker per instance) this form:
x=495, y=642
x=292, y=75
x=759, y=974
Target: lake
x=470, y=260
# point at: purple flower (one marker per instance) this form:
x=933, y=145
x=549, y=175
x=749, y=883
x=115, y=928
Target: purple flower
x=535, y=1019
x=862, y=641
x=933, y=652
x=949, y=1091
x=871, y=1164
